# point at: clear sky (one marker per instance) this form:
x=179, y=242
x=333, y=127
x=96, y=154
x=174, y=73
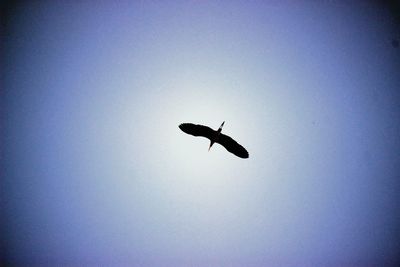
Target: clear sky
x=94, y=169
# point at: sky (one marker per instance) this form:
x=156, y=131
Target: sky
x=95, y=171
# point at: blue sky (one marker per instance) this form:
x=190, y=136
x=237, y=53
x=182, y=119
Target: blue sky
x=95, y=170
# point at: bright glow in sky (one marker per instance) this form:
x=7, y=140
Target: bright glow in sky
x=95, y=170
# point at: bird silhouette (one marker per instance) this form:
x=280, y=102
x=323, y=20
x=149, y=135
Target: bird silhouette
x=215, y=137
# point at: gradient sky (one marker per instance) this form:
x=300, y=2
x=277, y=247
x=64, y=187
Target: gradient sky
x=95, y=170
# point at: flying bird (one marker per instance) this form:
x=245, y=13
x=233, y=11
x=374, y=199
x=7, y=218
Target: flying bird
x=215, y=137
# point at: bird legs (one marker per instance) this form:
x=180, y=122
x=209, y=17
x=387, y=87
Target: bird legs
x=211, y=143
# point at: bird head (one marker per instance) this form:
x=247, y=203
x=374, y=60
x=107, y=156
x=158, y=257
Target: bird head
x=220, y=127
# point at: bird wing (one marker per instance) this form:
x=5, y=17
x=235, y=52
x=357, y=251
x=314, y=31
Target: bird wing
x=232, y=146
x=197, y=130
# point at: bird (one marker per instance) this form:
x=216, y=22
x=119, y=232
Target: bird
x=215, y=137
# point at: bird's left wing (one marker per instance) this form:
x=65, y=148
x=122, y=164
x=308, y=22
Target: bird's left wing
x=232, y=146
x=197, y=130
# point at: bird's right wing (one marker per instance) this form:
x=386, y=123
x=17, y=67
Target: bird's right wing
x=232, y=146
x=197, y=130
